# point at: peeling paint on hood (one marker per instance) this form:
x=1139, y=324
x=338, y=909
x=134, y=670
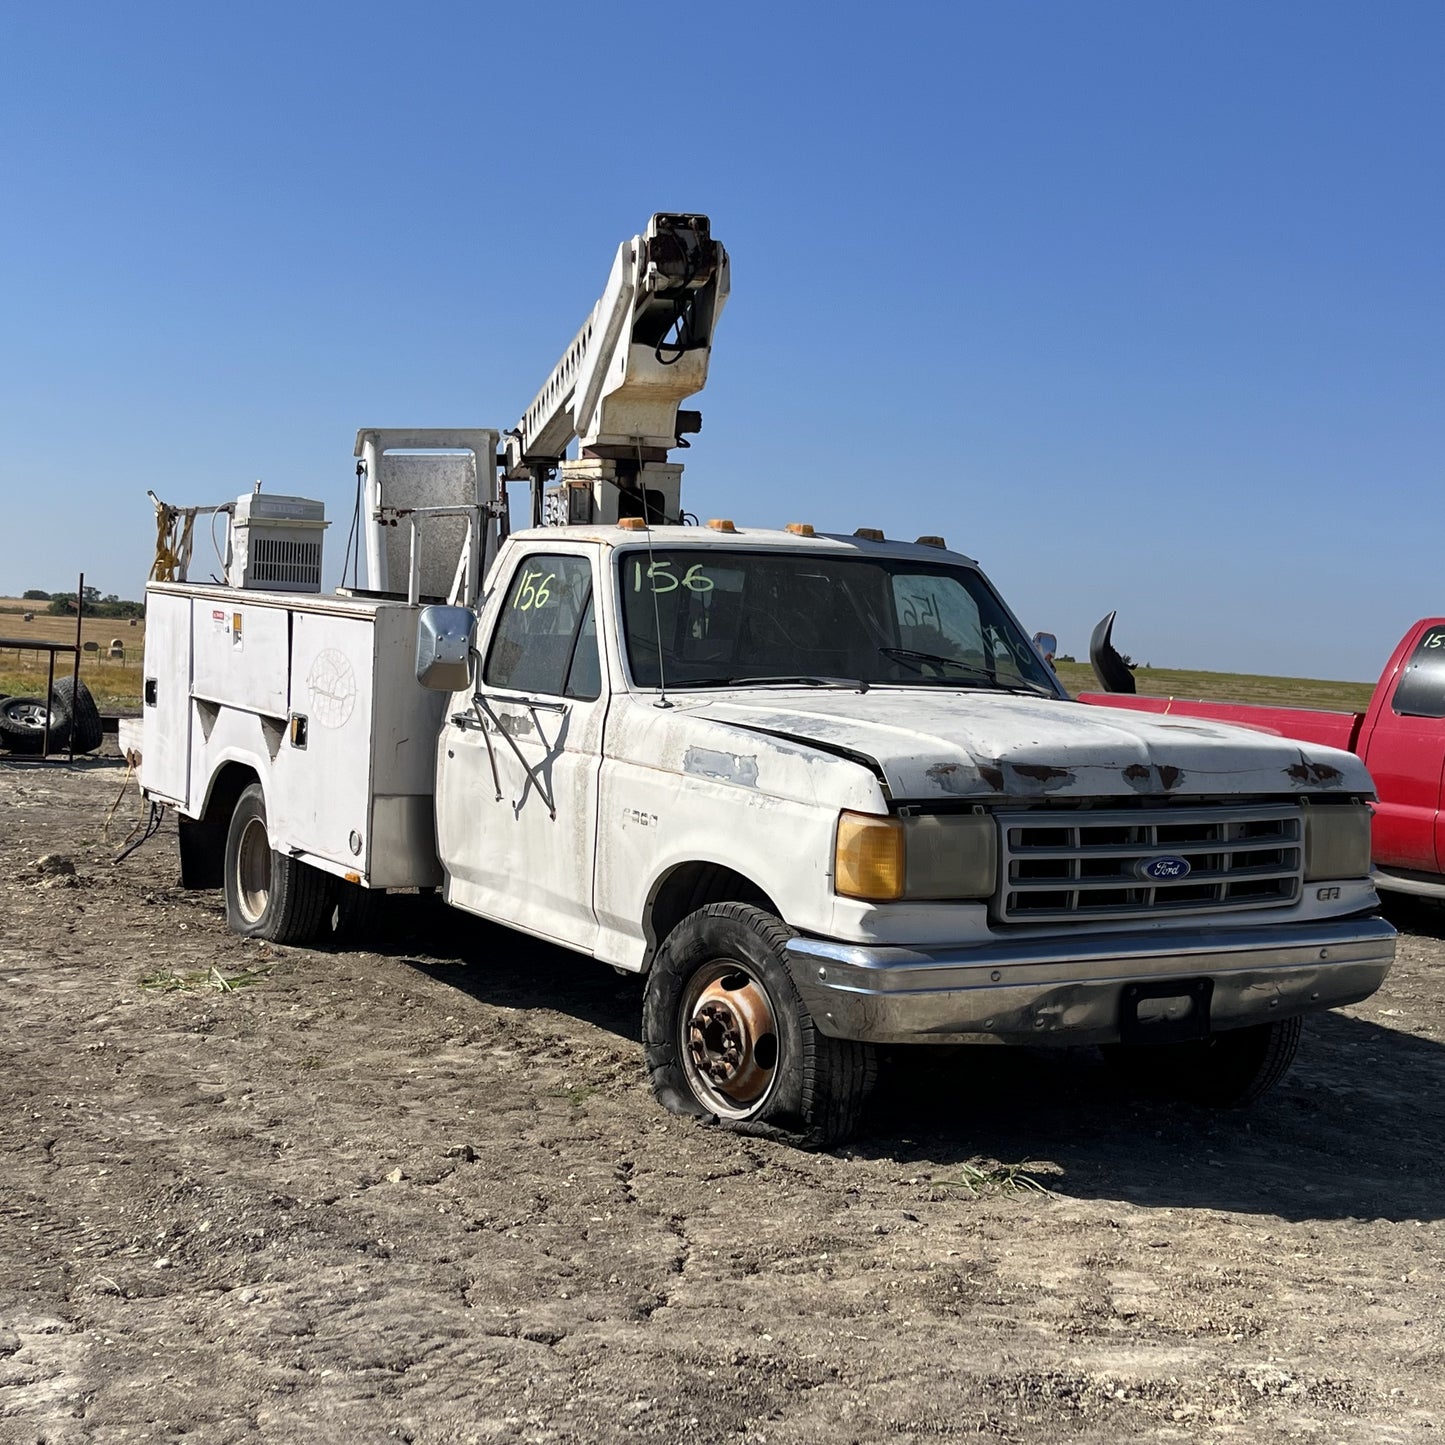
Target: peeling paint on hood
x=930, y=744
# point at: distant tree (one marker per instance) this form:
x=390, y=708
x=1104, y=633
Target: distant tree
x=62, y=604
x=35, y=595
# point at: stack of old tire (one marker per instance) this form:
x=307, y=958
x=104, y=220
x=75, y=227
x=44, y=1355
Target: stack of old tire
x=73, y=717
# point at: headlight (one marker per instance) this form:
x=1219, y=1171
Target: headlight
x=943, y=856
x=1337, y=841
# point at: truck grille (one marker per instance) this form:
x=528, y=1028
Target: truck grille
x=1092, y=865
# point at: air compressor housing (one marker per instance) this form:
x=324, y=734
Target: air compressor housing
x=276, y=543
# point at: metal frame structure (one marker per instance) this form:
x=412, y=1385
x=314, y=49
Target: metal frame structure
x=29, y=645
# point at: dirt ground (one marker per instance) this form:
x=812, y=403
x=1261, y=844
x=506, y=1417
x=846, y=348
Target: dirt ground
x=423, y=1194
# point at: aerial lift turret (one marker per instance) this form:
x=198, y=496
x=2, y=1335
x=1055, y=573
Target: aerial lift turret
x=618, y=388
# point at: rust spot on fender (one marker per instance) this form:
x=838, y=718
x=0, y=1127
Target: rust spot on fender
x=1136, y=773
x=992, y=776
x=1169, y=776
x=723, y=767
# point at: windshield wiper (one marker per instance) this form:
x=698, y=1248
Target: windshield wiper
x=849, y=684
x=912, y=657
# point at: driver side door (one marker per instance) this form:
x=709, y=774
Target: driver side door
x=517, y=815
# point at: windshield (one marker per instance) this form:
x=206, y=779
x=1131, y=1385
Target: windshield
x=787, y=616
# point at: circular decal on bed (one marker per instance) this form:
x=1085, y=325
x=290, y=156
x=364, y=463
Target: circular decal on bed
x=332, y=686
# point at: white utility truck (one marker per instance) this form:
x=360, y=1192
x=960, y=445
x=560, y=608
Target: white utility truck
x=822, y=790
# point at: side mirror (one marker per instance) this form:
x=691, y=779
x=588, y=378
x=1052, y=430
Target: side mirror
x=444, y=648
x=1046, y=643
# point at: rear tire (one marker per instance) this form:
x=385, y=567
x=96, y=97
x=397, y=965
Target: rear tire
x=1225, y=1071
x=268, y=894
x=728, y=1038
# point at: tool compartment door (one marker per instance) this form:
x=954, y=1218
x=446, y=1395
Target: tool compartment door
x=322, y=769
x=166, y=697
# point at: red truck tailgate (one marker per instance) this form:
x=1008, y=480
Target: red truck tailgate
x=1332, y=729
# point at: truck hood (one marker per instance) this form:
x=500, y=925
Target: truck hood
x=928, y=744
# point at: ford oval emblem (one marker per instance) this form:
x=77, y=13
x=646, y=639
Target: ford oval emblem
x=1163, y=870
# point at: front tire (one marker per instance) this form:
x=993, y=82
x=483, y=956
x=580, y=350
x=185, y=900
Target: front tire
x=728, y=1038
x=1225, y=1071
x=269, y=894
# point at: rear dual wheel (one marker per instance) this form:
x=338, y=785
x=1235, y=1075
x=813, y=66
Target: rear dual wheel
x=269, y=894
x=727, y=1036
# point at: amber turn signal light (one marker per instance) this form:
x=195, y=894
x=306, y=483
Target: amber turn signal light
x=869, y=860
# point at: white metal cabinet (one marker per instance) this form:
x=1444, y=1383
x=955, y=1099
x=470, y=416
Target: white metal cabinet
x=166, y=722
x=242, y=646
x=321, y=785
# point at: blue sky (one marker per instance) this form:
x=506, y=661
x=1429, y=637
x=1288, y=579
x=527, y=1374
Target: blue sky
x=1140, y=304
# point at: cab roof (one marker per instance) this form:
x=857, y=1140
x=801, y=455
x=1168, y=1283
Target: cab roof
x=751, y=538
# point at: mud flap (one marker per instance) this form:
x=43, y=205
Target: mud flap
x=203, y=850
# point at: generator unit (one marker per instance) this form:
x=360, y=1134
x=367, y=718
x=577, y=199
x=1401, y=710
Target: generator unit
x=275, y=543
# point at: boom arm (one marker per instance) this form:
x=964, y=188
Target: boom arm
x=643, y=350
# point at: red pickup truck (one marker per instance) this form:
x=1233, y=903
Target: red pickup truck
x=1400, y=738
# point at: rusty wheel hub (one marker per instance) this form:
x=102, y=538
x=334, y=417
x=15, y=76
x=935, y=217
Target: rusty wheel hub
x=731, y=1039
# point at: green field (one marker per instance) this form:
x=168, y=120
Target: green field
x=1231, y=687
x=116, y=683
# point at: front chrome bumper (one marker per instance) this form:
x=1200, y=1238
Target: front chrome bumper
x=1068, y=990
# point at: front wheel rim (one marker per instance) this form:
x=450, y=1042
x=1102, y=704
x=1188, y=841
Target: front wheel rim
x=728, y=1039
x=253, y=871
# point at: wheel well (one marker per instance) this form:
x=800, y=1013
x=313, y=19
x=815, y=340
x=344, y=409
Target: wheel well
x=203, y=839
x=691, y=886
